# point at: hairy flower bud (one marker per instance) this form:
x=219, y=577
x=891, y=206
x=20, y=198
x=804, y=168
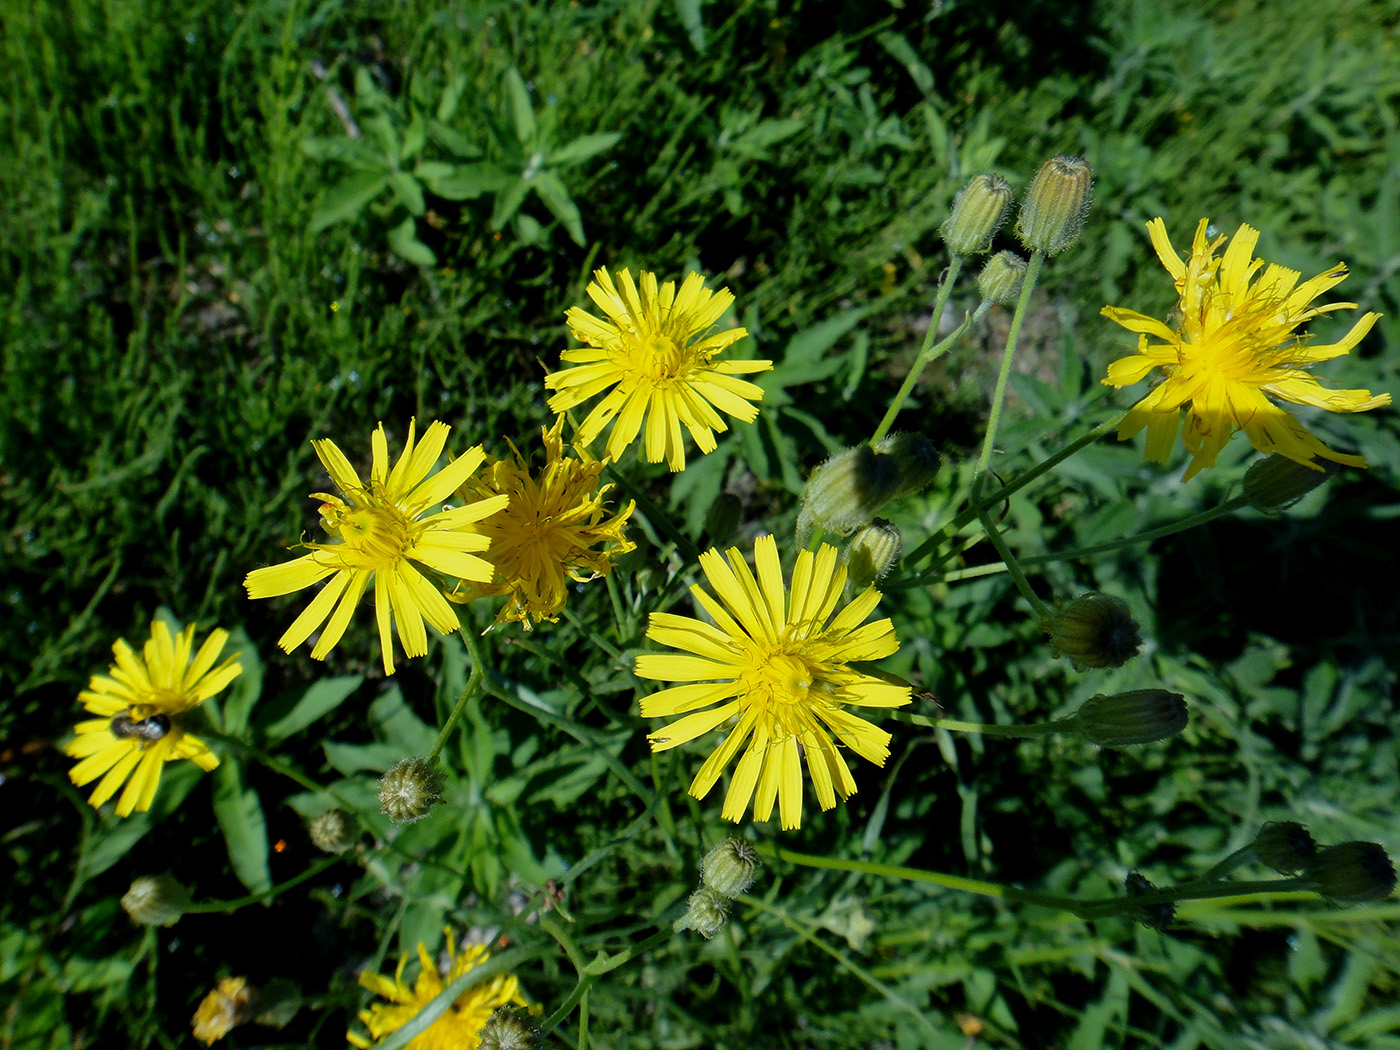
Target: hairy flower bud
x=410, y=789
x=1276, y=482
x=706, y=913
x=1001, y=279
x=846, y=491
x=156, y=900
x=509, y=1028
x=729, y=867
x=334, y=831
x=722, y=519
x=979, y=210
x=915, y=461
x=873, y=552
x=1093, y=630
x=1351, y=873
x=1284, y=845
x=1141, y=716
x=1055, y=205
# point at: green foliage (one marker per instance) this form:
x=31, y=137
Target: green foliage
x=234, y=228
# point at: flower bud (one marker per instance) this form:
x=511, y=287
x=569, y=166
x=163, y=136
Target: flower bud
x=334, y=831
x=722, y=520
x=1055, y=205
x=915, y=461
x=409, y=790
x=156, y=900
x=1001, y=279
x=231, y=1004
x=1277, y=482
x=1284, y=845
x=1142, y=716
x=1093, y=630
x=846, y=491
x=979, y=209
x=509, y=1028
x=1156, y=916
x=874, y=552
x=706, y=913
x=729, y=867
x=1351, y=873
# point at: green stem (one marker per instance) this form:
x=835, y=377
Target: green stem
x=654, y=514
x=1012, y=566
x=470, y=690
x=999, y=395
x=597, y=968
x=264, y=895
x=1060, y=725
x=927, y=352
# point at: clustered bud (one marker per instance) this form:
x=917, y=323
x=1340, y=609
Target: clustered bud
x=231, y=1004
x=706, y=913
x=979, y=210
x=156, y=900
x=1055, y=205
x=1277, y=482
x=1001, y=279
x=874, y=552
x=846, y=492
x=1141, y=716
x=334, y=831
x=729, y=867
x=1284, y=845
x=1351, y=873
x=509, y=1028
x=1094, y=630
x=410, y=789
x=1157, y=915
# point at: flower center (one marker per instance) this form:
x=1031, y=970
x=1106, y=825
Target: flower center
x=370, y=537
x=658, y=358
x=784, y=679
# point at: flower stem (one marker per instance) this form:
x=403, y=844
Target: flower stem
x=470, y=690
x=1060, y=725
x=1012, y=566
x=265, y=895
x=928, y=351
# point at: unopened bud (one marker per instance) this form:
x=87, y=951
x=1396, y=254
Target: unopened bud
x=706, y=913
x=874, y=552
x=1277, y=482
x=729, y=867
x=156, y=900
x=722, y=519
x=1351, y=873
x=1094, y=630
x=1142, y=716
x=1157, y=915
x=334, y=831
x=409, y=790
x=846, y=491
x=1056, y=203
x=1284, y=845
x=509, y=1028
x=979, y=210
x=231, y=1004
x=1001, y=279
x=915, y=461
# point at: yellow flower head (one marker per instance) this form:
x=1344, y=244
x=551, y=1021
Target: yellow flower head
x=378, y=531
x=546, y=535
x=654, y=355
x=141, y=711
x=224, y=1009
x=460, y=1026
x=778, y=664
x=1234, y=353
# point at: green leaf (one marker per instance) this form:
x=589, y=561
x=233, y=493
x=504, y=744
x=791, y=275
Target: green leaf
x=413, y=138
x=688, y=11
x=508, y=202
x=468, y=181
x=323, y=697
x=451, y=95
x=518, y=102
x=900, y=49
x=400, y=726
x=347, y=198
x=403, y=239
x=240, y=816
x=802, y=359
x=381, y=129
x=344, y=150
x=453, y=140
x=236, y=705
x=556, y=198
x=582, y=148
x=407, y=190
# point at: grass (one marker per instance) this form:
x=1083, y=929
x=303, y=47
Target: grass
x=182, y=322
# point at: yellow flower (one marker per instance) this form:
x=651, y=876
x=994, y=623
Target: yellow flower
x=222, y=1010
x=456, y=1029
x=141, y=711
x=1233, y=351
x=779, y=665
x=378, y=532
x=545, y=536
x=654, y=355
